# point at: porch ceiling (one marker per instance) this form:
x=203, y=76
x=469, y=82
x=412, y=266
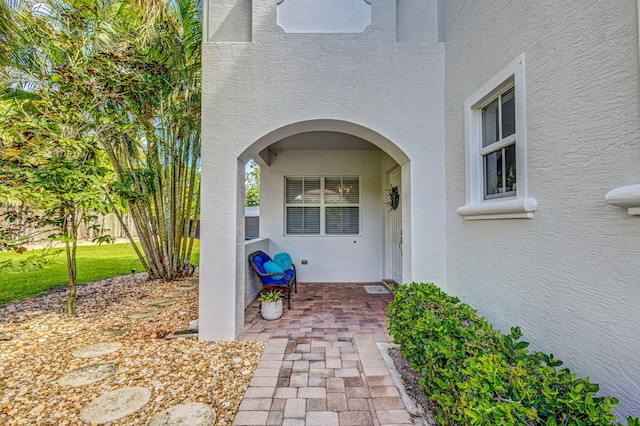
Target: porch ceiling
x=323, y=140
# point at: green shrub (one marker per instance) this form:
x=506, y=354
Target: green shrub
x=476, y=375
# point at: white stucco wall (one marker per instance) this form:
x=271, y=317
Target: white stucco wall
x=571, y=275
x=251, y=89
x=354, y=258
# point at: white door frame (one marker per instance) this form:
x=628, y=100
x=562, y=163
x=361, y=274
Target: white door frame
x=393, y=231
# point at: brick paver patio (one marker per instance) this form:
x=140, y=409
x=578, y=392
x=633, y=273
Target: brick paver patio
x=321, y=365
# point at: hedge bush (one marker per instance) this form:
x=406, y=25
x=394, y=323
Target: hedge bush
x=476, y=375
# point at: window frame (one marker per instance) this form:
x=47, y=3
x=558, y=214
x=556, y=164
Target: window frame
x=500, y=145
x=323, y=205
x=514, y=204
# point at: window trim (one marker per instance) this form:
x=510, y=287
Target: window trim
x=500, y=145
x=323, y=206
x=516, y=206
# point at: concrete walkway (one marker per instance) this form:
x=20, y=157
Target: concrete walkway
x=321, y=365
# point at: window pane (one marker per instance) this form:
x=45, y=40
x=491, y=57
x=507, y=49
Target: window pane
x=312, y=220
x=350, y=220
x=333, y=220
x=295, y=220
x=303, y=220
x=490, y=124
x=312, y=190
x=293, y=190
x=508, y=114
x=493, y=173
x=351, y=190
x=332, y=187
x=342, y=190
x=510, y=167
x=342, y=220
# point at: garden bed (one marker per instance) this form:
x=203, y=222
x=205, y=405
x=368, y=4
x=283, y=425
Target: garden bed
x=474, y=374
x=411, y=381
x=42, y=340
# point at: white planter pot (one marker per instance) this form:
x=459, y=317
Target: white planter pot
x=271, y=310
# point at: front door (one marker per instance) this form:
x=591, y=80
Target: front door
x=395, y=223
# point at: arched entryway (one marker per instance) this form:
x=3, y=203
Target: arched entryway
x=328, y=156
x=323, y=152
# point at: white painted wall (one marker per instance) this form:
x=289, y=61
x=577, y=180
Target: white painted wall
x=330, y=258
x=253, y=89
x=571, y=275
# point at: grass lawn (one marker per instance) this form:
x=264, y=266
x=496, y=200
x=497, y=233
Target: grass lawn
x=94, y=263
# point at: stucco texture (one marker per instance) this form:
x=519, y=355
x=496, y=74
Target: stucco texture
x=391, y=90
x=571, y=275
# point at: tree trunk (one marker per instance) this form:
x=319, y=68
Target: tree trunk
x=70, y=231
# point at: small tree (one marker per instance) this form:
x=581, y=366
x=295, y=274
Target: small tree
x=51, y=169
x=51, y=162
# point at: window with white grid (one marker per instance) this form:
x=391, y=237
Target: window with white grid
x=499, y=145
x=322, y=205
x=496, y=148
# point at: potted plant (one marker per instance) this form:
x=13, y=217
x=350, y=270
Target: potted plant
x=271, y=304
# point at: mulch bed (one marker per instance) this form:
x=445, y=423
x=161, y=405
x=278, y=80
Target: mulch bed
x=39, y=340
x=411, y=381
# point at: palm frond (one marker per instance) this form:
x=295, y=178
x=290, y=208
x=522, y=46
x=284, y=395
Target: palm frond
x=7, y=29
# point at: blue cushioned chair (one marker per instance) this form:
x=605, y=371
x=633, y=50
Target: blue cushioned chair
x=257, y=260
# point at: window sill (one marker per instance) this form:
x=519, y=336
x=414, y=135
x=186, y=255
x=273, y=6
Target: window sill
x=515, y=208
x=627, y=197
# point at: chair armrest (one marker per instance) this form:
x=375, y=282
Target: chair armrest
x=267, y=274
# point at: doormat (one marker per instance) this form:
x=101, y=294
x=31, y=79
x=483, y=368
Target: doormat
x=375, y=289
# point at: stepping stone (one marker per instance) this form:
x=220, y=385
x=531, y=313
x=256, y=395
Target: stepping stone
x=175, y=295
x=190, y=414
x=189, y=333
x=115, y=405
x=96, y=350
x=117, y=330
x=162, y=303
x=89, y=374
x=185, y=288
x=143, y=314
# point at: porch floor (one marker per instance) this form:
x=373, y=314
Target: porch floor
x=321, y=365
